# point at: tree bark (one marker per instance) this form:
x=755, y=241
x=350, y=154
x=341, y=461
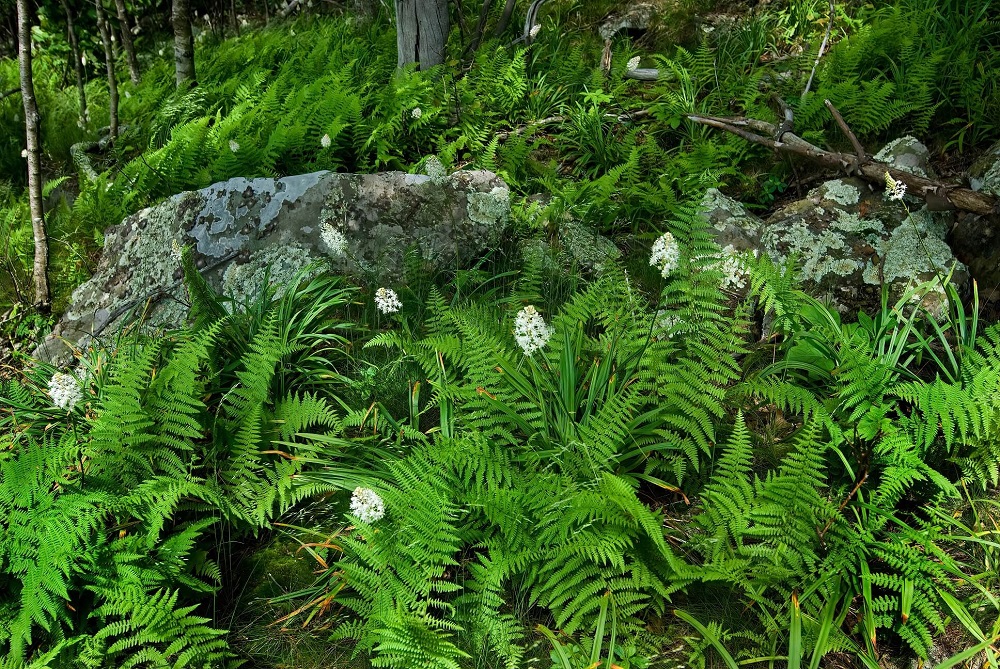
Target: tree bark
x=109, y=59
x=74, y=47
x=40, y=270
x=421, y=32
x=183, y=44
x=126, y=31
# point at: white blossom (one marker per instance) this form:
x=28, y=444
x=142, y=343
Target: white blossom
x=234, y=146
x=176, y=250
x=335, y=241
x=161, y=53
x=894, y=190
x=734, y=273
x=666, y=255
x=417, y=112
x=531, y=331
x=387, y=301
x=633, y=64
x=535, y=29
x=24, y=153
x=367, y=505
x=65, y=391
x=325, y=141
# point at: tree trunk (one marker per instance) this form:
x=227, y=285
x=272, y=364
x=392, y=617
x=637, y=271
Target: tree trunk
x=421, y=32
x=126, y=31
x=74, y=47
x=183, y=43
x=40, y=271
x=109, y=58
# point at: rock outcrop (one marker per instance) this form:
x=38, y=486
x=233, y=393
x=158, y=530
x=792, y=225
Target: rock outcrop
x=239, y=229
x=849, y=239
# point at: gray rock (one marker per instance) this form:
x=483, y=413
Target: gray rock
x=848, y=241
x=984, y=175
x=637, y=17
x=909, y=155
x=239, y=228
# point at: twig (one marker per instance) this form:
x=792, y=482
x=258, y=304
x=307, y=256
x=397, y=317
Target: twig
x=858, y=149
x=822, y=48
x=7, y=94
x=939, y=195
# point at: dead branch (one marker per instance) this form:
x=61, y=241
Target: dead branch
x=939, y=196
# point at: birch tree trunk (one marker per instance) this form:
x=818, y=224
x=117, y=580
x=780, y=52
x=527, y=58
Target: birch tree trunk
x=421, y=32
x=74, y=47
x=126, y=31
x=183, y=43
x=40, y=270
x=109, y=59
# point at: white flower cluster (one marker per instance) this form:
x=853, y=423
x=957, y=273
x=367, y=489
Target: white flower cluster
x=894, y=190
x=176, y=250
x=633, y=64
x=367, y=505
x=666, y=325
x=417, y=112
x=336, y=242
x=24, y=153
x=734, y=273
x=387, y=301
x=531, y=331
x=666, y=255
x=325, y=141
x=535, y=29
x=65, y=391
x=234, y=146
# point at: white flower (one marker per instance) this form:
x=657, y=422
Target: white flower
x=176, y=250
x=161, y=53
x=535, y=29
x=894, y=190
x=65, y=391
x=666, y=325
x=633, y=64
x=24, y=153
x=335, y=241
x=665, y=255
x=387, y=301
x=734, y=273
x=417, y=112
x=367, y=505
x=325, y=141
x=531, y=331
x=234, y=146
x=83, y=58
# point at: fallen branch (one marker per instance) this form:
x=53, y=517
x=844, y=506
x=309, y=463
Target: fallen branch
x=621, y=118
x=939, y=196
x=7, y=94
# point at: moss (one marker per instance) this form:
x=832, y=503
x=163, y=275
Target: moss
x=842, y=193
x=491, y=209
x=915, y=247
x=246, y=280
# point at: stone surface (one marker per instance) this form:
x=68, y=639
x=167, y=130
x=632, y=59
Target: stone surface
x=637, y=17
x=909, y=155
x=239, y=228
x=848, y=240
x=984, y=175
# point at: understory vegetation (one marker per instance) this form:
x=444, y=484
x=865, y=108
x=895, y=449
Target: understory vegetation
x=530, y=459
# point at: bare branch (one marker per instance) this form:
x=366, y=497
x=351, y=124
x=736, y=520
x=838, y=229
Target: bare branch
x=858, y=149
x=935, y=192
x=822, y=48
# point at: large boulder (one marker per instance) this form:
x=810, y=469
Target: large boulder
x=849, y=240
x=241, y=229
x=976, y=238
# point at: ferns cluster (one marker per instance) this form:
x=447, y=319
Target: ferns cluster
x=110, y=512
